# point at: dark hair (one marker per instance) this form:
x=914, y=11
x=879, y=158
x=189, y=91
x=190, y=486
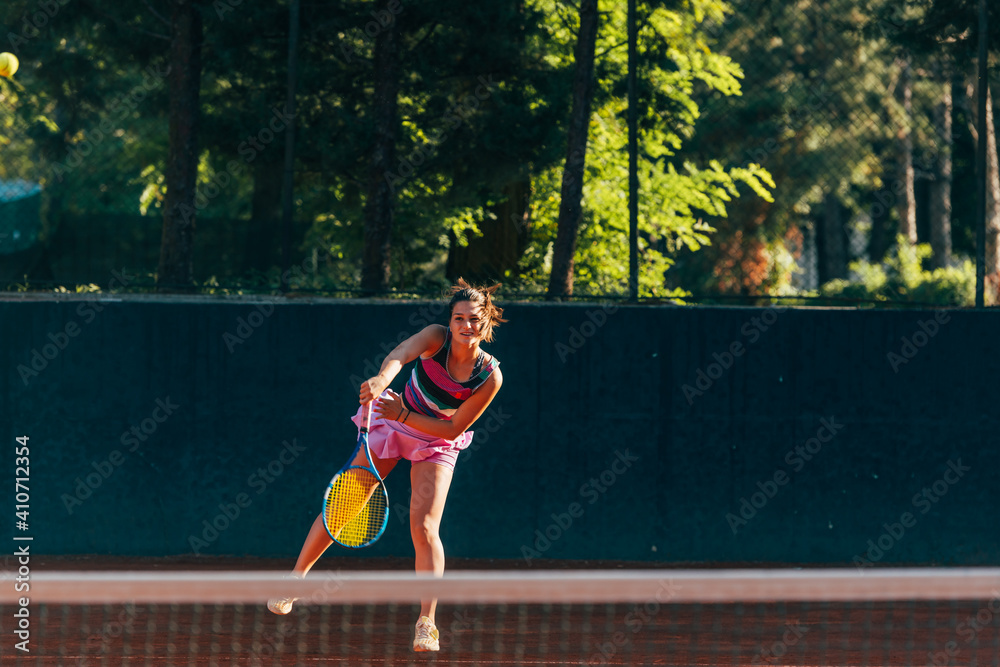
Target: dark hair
x=482, y=297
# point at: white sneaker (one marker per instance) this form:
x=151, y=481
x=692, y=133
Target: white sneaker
x=426, y=636
x=282, y=606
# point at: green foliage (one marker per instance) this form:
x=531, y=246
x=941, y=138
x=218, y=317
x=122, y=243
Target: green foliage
x=902, y=278
x=93, y=55
x=819, y=112
x=677, y=195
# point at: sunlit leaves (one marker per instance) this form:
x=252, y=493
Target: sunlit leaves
x=676, y=195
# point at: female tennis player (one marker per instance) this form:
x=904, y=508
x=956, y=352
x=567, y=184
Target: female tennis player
x=450, y=387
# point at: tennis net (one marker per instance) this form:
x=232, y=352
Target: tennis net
x=664, y=617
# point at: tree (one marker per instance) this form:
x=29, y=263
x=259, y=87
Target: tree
x=476, y=117
x=941, y=208
x=116, y=34
x=832, y=240
x=570, y=209
x=92, y=110
x=177, y=244
x=992, y=172
x=494, y=254
x=480, y=135
x=812, y=94
x=375, y=270
x=907, y=207
x=836, y=108
x=949, y=29
x=678, y=190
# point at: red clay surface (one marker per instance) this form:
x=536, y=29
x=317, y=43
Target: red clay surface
x=879, y=634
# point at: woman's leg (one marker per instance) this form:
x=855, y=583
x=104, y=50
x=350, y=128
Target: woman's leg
x=318, y=540
x=430, y=483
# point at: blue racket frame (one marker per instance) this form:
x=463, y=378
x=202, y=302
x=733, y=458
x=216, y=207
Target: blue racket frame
x=362, y=444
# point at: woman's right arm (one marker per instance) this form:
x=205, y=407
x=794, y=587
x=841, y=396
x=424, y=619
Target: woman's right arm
x=427, y=340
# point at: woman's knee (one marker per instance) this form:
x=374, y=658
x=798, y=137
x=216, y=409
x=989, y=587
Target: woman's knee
x=425, y=529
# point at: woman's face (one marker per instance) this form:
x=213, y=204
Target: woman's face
x=465, y=322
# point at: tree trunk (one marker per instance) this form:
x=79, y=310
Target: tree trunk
x=494, y=256
x=992, y=195
x=831, y=242
x=176, y=269
x=907, y=205
x=490, y=257
x=940, y=189
x=992, y=174
x=261, y=241
x=570, y=204
x=375, y=270
x=881, y=238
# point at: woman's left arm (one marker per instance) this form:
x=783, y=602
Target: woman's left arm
x=466, y=415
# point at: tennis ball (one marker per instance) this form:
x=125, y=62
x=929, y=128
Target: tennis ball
x=8, y=64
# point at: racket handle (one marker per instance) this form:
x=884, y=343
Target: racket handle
x=366, y=416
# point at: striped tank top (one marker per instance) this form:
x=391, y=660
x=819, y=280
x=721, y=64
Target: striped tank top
x=433, y=392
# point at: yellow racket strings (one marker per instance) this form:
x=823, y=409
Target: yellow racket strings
x=354, y=510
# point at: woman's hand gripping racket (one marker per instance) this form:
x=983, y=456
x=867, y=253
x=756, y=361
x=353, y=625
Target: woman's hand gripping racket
x=356, y=506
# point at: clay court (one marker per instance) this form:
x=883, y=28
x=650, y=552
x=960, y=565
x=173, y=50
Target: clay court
x=795, y=633
x=682, y=635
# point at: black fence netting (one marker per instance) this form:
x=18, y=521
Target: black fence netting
x=805, y=152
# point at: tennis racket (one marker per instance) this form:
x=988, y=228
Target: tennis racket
x=356, y=505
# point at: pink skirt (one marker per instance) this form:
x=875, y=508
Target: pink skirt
x=389, y=439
